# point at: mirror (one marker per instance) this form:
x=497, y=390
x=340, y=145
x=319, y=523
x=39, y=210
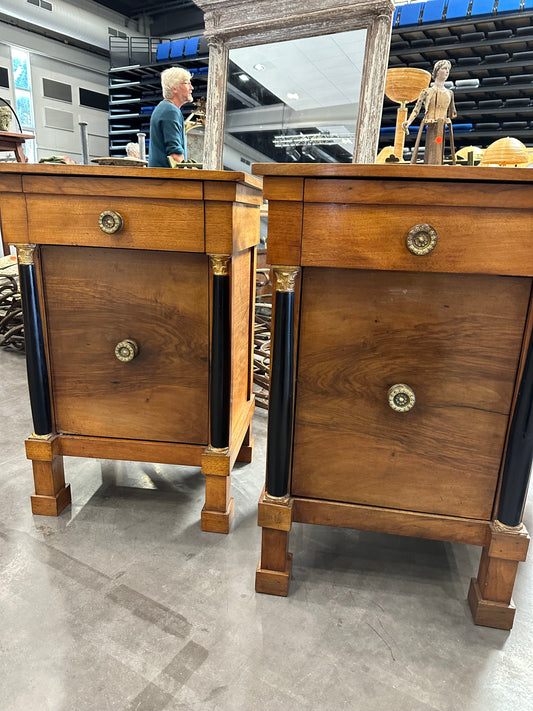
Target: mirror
x=295, y=100
x=277, y=27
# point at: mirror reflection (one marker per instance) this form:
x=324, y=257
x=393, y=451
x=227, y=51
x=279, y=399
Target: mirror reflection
x=295, y=101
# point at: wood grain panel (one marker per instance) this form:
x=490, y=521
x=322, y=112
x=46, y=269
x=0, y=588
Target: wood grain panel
x=10, y=183
x=284, y=243
x=230, y=227
x=98, y=297
x=402, y=192
x=232, y=192
x=13, y=219
x=455, y=339
x=291, y=189
x=169, y=225
x=400, y=523
x=417, y=173
x=242, y=279
x=373, y=237
x=113, y=187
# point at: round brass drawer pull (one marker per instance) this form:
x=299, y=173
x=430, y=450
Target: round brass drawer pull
x=126, y=350
x=421, y=240
x=110, y=222
x=401, y=397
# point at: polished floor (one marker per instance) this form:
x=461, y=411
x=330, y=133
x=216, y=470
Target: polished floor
x=123, y=603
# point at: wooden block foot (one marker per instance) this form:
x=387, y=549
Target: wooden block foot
x=51, y=505
x=218, y=521
x=489, y=613
x=246, y=452
x=274, y=582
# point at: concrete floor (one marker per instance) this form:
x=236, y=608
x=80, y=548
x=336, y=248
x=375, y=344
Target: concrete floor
x=123, y=603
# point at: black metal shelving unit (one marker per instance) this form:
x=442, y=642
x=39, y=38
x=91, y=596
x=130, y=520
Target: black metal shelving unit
x=490, y=46
x=135, y=84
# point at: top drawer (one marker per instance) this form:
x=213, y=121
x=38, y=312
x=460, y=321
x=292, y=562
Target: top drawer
x=147, y=223
x=359, y=224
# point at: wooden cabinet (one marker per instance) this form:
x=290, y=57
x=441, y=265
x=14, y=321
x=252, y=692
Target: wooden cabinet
x=138, y=293
x=401, y=377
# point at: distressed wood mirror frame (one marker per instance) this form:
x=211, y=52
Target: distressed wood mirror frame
x=240, y=23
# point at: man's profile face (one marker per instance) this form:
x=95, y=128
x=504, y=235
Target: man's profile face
x=182, y=92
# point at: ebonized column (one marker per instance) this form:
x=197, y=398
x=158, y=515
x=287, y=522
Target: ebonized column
x=219, y=421
x=281, y=395
x=519, y=450
x=38, y=381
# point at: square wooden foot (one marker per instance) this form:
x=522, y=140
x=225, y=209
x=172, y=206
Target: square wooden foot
x=246, y=452
x=51, y=505
x=274, y=582
x=218, y=521
x=489, y=613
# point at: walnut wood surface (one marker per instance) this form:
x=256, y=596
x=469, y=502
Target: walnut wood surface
x=418, y=173
x=98, y=297
x=169, y=225
x=358, y=216
x=10, y=183
x=230, y=227
x=102, y=185
x=454, y=339
x=113, y=448
x=121, y=172
x=373, y=237
x=13, y=219
x=401, y=523
x=241, y=324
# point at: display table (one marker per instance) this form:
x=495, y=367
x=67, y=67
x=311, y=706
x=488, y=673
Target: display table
x=401, y=378
x=13, y=142
x=138, y=294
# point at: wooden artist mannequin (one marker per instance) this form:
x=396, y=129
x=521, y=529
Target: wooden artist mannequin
x=439, y=109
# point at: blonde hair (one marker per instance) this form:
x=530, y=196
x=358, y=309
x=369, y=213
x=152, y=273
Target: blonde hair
x=132, y=149
x=171, y=77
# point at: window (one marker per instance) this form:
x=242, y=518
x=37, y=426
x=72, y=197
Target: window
x=94, y=99
x=20, y=61
x=57, y=90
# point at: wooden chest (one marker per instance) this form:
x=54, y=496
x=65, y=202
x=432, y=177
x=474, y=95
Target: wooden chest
x=401, y=371
x=138, y=290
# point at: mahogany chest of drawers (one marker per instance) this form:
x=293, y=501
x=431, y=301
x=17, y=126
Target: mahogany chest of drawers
x=138, y=292
x=401, y=376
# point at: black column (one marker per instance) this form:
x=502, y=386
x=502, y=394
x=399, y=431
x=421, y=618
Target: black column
x=220, y=360
x=33, y=335
x=519, y=450
x=281, y=394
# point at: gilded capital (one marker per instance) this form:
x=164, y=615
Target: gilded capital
x=286, y=278
x=220, y=264
x=25, y=253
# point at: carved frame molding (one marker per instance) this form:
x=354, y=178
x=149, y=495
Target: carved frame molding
x=239, y=23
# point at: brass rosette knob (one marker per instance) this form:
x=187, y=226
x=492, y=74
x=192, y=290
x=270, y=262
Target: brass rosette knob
x=401, y=397
x=110, y=222
x=421, y=240
x=126, y=350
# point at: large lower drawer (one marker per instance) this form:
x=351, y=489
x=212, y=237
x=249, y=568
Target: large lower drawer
x=96, y=298
x=455, y=340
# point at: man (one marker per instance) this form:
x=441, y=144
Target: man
x=167, y=130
